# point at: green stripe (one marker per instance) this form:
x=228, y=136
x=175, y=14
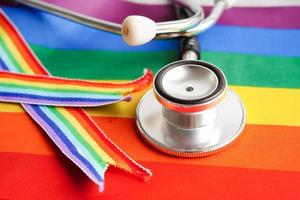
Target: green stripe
x=39, y=89
x=11, y=56
x=78, y=136
x=240, y=69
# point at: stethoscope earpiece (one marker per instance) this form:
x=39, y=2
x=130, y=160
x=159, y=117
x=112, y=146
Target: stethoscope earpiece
x=137, y=30
x=190, y=112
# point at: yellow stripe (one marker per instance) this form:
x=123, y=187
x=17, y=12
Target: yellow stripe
x=270, y=106
x=63, y=87
x=15, y=52
x=85, y=135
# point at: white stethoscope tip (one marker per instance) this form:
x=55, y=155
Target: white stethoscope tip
x=138, y=30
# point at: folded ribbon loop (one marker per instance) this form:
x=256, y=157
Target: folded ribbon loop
x=71, y=129
x=55, y=91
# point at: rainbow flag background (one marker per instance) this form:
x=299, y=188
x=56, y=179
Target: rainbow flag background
x=256, y=44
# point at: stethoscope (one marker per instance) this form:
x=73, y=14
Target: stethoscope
x=190, y=112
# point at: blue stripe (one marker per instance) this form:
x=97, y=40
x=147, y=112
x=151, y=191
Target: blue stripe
x=54, y=99
x=8, y=63
x=4, y=68
x=65, y=140
x=2, y=65
x=54, y=32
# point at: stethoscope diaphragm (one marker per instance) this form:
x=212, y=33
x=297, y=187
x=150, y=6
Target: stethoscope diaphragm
x=190, y=112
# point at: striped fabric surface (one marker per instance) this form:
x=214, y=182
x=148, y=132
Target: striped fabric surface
x=257, y=46
x=72, y=130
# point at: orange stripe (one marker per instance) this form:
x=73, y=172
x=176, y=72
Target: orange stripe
x=24, y=137
x=260, y=147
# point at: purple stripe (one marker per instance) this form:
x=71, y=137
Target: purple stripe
x=271, y=17
x=55, y=98
x=116, y=11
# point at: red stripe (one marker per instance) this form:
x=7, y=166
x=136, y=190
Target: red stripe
x=25, y=176
x=21, y=46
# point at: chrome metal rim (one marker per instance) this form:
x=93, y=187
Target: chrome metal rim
x=194, y=142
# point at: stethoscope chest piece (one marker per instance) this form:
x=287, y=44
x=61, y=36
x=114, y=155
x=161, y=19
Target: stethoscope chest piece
x=190, y=112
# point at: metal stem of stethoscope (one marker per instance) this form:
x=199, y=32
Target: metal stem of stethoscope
x=190, y=26
x=190, y=50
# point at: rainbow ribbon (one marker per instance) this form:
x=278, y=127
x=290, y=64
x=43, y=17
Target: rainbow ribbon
x=55, y=91
x=71, y=129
